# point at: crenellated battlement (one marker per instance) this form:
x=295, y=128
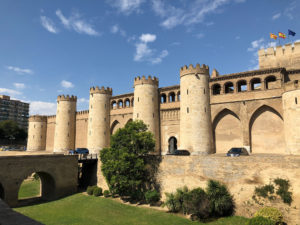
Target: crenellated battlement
x=143, y=80
x=82, y=112
x=102, y=90
x=203, y=69
x=283, y=56
x=37, y=118
x=67, y=98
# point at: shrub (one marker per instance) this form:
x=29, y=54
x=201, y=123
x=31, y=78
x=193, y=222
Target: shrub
x=152, y=196
x=283, y=190
x=221, y=201
x=97, y=191
x=179, y=197
x=36, y=176
x=196, y=202
x=90, y=190
x=259, y=220
x=171, y=203
x=106, y=193
x=264, y=191
x=271, y=214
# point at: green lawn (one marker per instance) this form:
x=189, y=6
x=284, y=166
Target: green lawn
x=90, y=210
x=29, y=188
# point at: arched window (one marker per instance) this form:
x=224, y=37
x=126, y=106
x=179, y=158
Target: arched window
x=178, y=96
x=270, y=82
x=163, y=98
x=255, y=84
x=120, y=104
x=216, y=89
x=132, y=102
x=127, y=102
x=113, y=104
x=172, y=97
x=229, y=88
x=172, y=145
x=242, y=85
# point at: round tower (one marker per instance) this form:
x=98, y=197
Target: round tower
x=99, y=121
x=37, y=128
x=291, y=114
x=146, y=106
x=195, y=115
x=64, y=138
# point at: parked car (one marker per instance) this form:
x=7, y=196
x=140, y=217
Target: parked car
x=84, y=151
x=237, y=152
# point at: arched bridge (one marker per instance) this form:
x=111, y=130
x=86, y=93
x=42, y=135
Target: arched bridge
x=58, y=174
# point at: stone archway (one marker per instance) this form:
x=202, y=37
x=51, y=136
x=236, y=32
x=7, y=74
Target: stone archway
x=227, y=131
x=266, y=130
x=172, y=145
x=115, y=126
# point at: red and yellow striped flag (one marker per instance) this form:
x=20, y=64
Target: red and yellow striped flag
x=282, y=35
x=274, y=36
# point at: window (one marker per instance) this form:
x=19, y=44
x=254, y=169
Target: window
x=242, y=85
x=216, y=89
x=172, y=97
x=255, y=84
x=229, y=88
x=270, y=82
x=163, y=98
x=187, y=110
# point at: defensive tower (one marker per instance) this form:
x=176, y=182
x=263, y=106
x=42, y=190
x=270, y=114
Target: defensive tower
x=291, y=113
x=146, y=106
x=99, y=120
x=195, y=116
x=37, y=129
x=287, y=56
x=64, y=137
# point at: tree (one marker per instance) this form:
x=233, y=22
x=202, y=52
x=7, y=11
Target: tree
x=124, y=163
x=9, y=130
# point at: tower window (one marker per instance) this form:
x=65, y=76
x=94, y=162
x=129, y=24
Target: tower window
x=296, y=101
x=153, y=115
x=137, y=115
x=187, y=110
x=187, y=91
x=104, y=118
x=91, y=106
x=205, y=109
x=138, y=99
x=204, y=91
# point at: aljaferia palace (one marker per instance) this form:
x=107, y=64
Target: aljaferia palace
x=206, y=114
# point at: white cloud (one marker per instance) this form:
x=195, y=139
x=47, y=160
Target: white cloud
x=42, y=108
x=145, y=53
x=66, y=84
x=82, y=100
x=255, y=45
x=9, y=91
x=48, y=24
x=237, y=38
x=19, y=85
x=76, y=23
x=127, y=6
x=276, y=16
x=19, y=70
x=188, y=14
x=116, y=29
x=148, y=37
x=200, y=35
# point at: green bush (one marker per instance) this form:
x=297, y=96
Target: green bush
x=271, y=214
x=106, y=193
x=179, y=197
x=196, y=202
x=152, y=196
x=97, y=191
x=264, y=191
x=260, y=221
x=90, y=190
x=171, y=203
x=283, y=190
x=221, y=201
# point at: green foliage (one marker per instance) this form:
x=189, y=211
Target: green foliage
x=9, y=130
x=271, y=214
x=97, y=191
x=179, y=198
x=171, y=202
x=152, y=196
x=90, y=190
x=283, y=190
x=123, y=164
x=259, y=220
x=264, y=191
x=36, y=176
x=196, y=202
x=221, y=201
x=106, y=193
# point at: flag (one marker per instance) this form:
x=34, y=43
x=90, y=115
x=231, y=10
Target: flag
x=292, y=33
x=282, y=35
x=274, y=36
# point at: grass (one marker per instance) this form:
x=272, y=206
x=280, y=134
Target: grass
x=29, y=188
x=82, y=209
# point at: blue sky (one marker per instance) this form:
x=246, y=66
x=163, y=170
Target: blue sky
x=57, y=47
